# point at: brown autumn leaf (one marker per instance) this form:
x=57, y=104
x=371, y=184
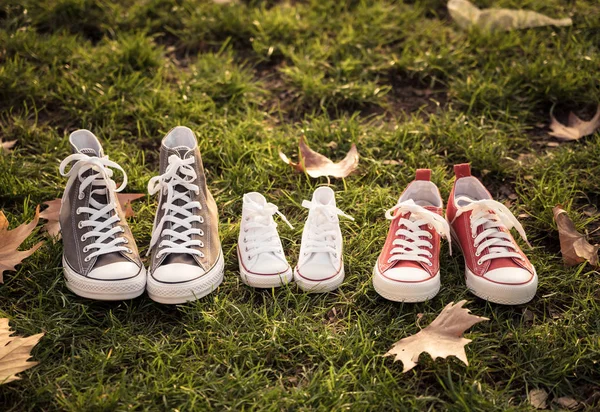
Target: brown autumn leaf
x=317, y=165
x=14, y=352
x=575, y=128
x=52, y=212
x=567, y=403
x=7, y=146
x=537, y=398
x=442, y=338
x=125, y=200
x=10, y=240
x=574, y=247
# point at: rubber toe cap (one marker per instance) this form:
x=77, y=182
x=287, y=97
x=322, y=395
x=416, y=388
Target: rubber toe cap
x=115, y=271
x=511, y=275
x=177, y=273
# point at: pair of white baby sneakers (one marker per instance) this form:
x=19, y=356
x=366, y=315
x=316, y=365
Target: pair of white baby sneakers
x=261, y=256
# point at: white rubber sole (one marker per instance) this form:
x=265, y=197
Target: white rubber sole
x=503, y=294
x=408, y=292
x=176, y=293
x=321, y=286
x=104, y=289
x=266, y=281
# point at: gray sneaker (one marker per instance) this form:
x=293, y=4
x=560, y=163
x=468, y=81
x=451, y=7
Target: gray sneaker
x=187, y=260
x=100, y=257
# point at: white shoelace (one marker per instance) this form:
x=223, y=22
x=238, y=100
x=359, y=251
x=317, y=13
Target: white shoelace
x=412, y=247
x=261, y=230
x=322, y=237
x=493, y=216
x=102, y=218
x=179, y=173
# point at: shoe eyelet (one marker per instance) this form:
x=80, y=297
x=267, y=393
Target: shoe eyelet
x=201, y=244
x=126, y=241
x=429, y=264
x=87, y=259
x=78, y=211
x=245, y=230
x=477, y=254
x=201, y=219
x=479, y=262
x=473, y=236
x=249, y=257
x=429, y=226
x=85, y=249
x=80, y=196
x=80, y=225
x=82, y=238
x=129, y=250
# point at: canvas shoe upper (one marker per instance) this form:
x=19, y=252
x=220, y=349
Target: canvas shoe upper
x=186, y=257
x=260, y=252
x=496, y=267
x=320, y=265
x=100, y=257
x=408, y=268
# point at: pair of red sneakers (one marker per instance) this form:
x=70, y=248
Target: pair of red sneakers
x=496, y=269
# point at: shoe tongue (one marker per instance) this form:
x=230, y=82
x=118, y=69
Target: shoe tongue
x=185, y=258
x=113, y=257
x=181, y=151
x=90, y=152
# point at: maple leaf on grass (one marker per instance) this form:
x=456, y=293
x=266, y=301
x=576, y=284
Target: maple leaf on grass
x=575, y=128
x=317, y=165
x=10, y=241
x=52, y=212
x=125, y=200
x=574, y=247
x=442, y=338
x=14, y=352
x=6, y=146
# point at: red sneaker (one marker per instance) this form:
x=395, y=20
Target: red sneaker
x=408, y=268
x=496, y=269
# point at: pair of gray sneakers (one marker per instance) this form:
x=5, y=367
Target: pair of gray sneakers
x=100, y=257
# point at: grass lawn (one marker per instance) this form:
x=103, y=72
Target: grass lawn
x=400, y=80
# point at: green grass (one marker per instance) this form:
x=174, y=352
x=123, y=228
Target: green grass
x=398, y=79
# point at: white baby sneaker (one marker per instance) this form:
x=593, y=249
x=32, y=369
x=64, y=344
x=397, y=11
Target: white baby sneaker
x=320, y=265
x=260, y=253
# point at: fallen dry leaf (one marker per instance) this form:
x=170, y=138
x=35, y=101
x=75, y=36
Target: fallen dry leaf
x=14, y=352
x=52, y=212
x=6, y=146
x=442, y=338
x=537, y=398
x=10, y=240
x=317, y=165
x=575, y=128
x=574, y=247
x=125, y=200
x=566, y=402
x=466, y=15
